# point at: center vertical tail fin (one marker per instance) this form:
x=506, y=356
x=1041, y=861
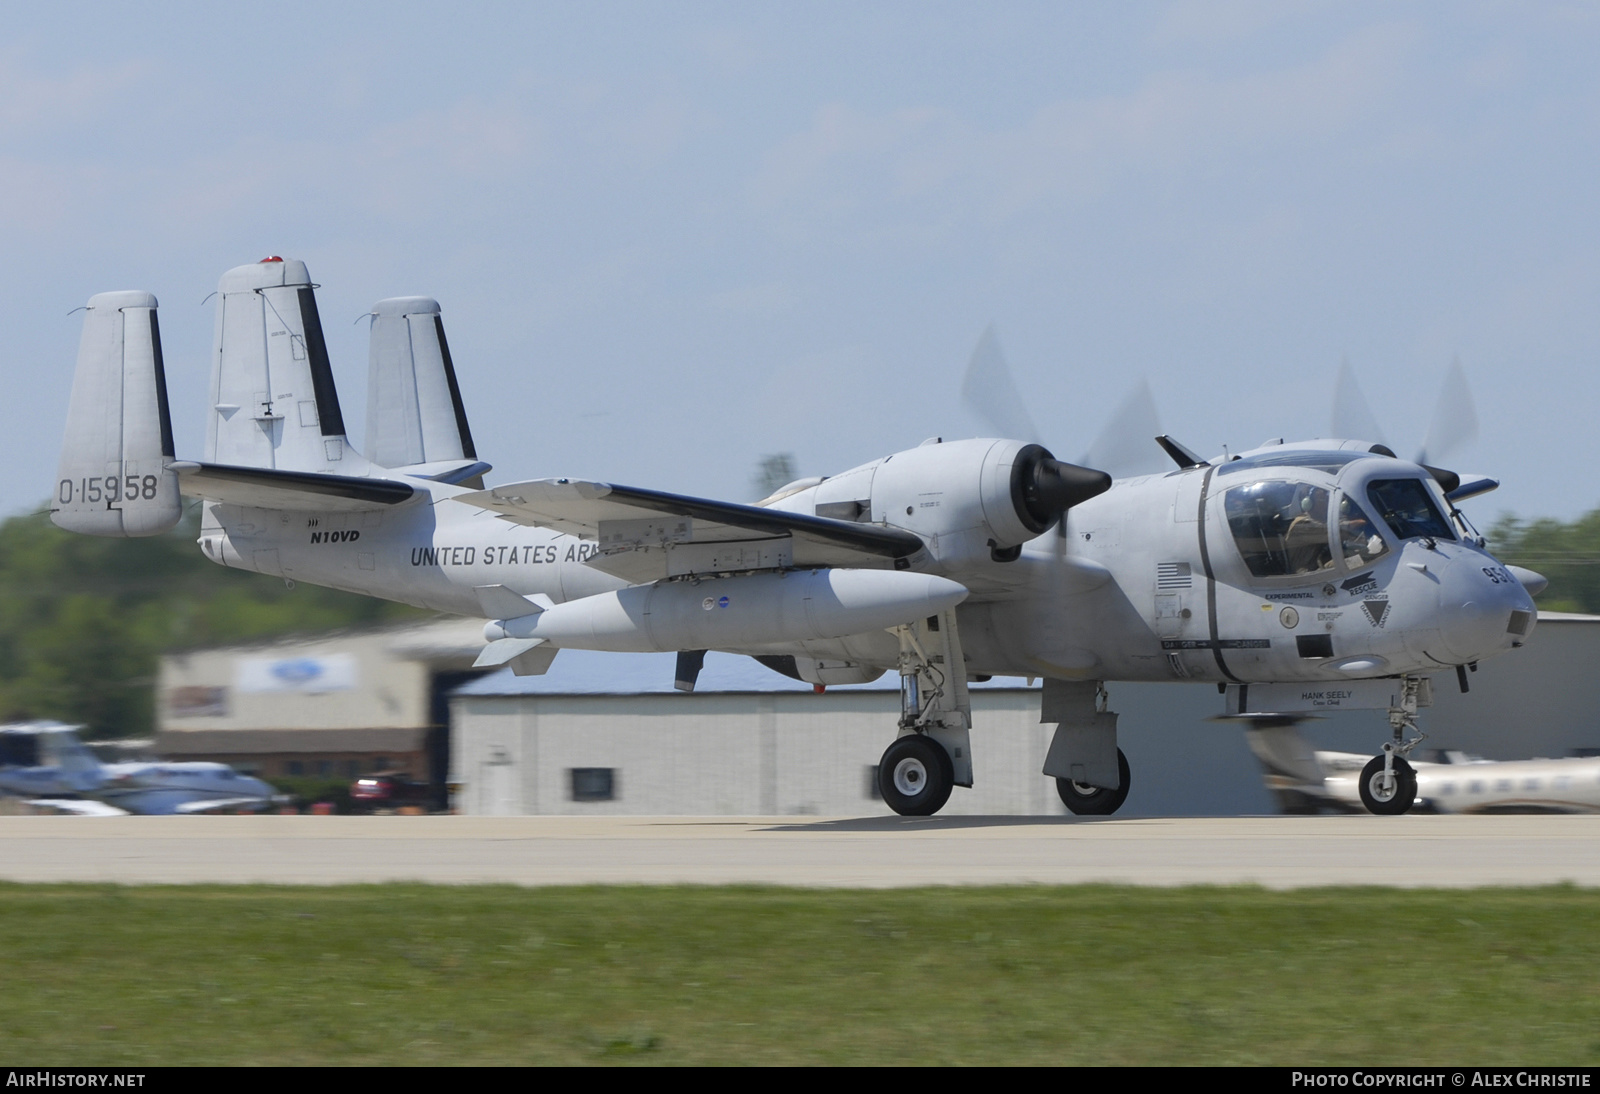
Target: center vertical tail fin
x=273, y=401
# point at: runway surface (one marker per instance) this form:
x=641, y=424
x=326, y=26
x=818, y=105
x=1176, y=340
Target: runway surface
x=880, y=852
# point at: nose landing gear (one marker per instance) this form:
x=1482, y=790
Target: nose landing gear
x=1388, y=783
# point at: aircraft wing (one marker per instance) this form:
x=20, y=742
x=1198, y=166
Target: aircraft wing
x=79, y=807
x=647, y=534
x=212, y=805
x=271, y=488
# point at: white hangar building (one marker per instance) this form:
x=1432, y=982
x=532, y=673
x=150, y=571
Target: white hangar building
x=608, y=733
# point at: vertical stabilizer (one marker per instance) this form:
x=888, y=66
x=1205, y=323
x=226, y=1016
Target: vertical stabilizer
x=113, y=478
x=273, y=402
x=414, y=409
x=78, y=767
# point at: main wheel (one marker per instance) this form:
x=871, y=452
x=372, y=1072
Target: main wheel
x=1096, y=801
x=1390, y=800
x=915, y=776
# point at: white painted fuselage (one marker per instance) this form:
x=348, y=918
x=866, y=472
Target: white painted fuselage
x=1148, y=581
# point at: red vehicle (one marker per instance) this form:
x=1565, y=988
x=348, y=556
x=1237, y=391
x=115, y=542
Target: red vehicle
x=383, y=790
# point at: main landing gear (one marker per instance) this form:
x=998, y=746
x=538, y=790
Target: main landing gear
x=1090, y=771
x=916, y=776
x=1095, y=801
x=1388, y=783
x=933, y=753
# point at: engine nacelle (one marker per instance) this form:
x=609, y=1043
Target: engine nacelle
x=978, y=498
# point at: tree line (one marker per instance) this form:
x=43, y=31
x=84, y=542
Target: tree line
x=84, y=620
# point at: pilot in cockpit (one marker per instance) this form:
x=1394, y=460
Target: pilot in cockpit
x=1306, y=540
x=1358, y=539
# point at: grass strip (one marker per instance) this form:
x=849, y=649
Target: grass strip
x=414, y=974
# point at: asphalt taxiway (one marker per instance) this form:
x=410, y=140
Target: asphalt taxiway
x=879, y=852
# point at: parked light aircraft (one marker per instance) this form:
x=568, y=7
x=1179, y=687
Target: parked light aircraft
x=1293, y=577
x=1307, y=780
x=45, y=763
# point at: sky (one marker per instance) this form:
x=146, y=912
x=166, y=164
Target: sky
x=671, y=239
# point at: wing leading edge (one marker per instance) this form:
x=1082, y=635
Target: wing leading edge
x=648, y=534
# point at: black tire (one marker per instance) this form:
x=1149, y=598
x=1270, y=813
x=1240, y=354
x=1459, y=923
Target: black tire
x=1399, y=798
x=1096, y=801
x=915, y=776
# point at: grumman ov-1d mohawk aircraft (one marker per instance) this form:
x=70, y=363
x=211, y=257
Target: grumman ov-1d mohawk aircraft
x=1295, y=577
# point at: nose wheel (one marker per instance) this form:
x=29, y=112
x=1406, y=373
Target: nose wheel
x=1388, y=793
x=915, y=776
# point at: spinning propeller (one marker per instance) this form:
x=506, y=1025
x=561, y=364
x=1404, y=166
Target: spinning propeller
x=1123, y=449
x=1454, y=426
x=1052, y=486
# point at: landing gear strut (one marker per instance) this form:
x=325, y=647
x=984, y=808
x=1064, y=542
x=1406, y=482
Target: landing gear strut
x=934, y=750
x=1388, y=783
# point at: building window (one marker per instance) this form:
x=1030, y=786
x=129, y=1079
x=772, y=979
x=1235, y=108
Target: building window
x=295, y=767
x=873, y=790
x=593, y=784
x=324, y=767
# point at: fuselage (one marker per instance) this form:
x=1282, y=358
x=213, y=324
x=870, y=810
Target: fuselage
x=145, y=788
x=1292, y=563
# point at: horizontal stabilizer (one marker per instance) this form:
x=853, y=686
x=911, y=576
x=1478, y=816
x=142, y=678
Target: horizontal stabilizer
x=455, y=472
x=303, y=491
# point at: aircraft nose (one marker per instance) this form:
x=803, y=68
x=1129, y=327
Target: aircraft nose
x=1487, y=608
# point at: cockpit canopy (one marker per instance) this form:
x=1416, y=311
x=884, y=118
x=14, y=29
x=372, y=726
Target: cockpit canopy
x=1408, y=509
x=1282, y=528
